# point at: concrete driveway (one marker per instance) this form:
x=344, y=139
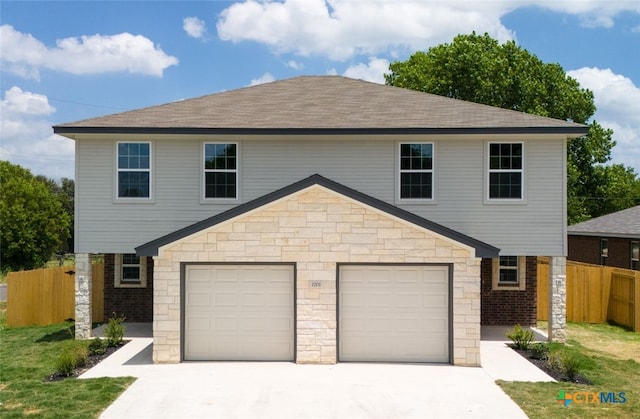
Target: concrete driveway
x=286, y=390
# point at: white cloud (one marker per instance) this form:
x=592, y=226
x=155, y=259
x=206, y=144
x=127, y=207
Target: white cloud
x=194, y=27
x=340, y=29
x=18, y=102
x=592, y=13
x=373, y=71
x=295, y=65
x=24, y=55
x=617, y=101
x=265, y=78
x=26, y=137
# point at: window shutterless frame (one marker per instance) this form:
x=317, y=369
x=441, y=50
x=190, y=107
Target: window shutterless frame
x=505, y=172
x=133, y=171
x=635, y=255
x=416, y=172
x=604, y=251
x=220, y=171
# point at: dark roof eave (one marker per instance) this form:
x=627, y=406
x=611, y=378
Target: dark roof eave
x=605, y=234
x=568, y=130
x=483, y=250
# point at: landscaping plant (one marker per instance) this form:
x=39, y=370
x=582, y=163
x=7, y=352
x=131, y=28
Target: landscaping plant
x=28, y=357
x=521, y=338
x=540, y=350
x=114, y=332
x=97, y=346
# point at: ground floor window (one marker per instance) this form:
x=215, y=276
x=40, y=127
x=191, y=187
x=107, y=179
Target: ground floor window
x=509, y=273
x=130, y=271
x=635, y=255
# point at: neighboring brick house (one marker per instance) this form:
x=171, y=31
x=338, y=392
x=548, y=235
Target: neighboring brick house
x=610, y=240
x=322, y=219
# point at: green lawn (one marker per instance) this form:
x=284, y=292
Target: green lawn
x=27, y=357
x=611, y=360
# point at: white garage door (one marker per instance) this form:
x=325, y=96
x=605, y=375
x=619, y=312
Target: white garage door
x=239, y=312
x=394, y=313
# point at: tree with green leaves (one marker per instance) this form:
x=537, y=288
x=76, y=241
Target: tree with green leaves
x=33, y=222
x=65, y=191
x=477, y=68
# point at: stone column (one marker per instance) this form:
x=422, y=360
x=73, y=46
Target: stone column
x=557, y=299
x=83, y=295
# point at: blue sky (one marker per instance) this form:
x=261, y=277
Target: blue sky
x=63, y=61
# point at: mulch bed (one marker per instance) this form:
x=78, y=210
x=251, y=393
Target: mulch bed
x=92, y=361
x=555, y=373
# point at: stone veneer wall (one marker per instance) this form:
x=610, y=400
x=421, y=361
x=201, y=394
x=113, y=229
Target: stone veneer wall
x=136, y=304
x=316, y=228
x=510, y=307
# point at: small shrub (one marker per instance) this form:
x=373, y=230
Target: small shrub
x=66, y=363
x=81, y=354
x=521, y=338
x=571, y=364
x=540, y=350
x=97, y=346
x=114, y=332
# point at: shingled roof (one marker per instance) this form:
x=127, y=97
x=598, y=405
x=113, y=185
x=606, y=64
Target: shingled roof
x=322, y=104
x=625, y=223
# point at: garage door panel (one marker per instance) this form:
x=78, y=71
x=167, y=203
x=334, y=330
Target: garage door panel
x=197, y=299
x=242, y=312
x=393, y=313
x=200, y=323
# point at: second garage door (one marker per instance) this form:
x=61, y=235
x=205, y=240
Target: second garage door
x=239, y=312
x=394, y=313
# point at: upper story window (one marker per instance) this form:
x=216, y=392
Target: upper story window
x=505, y=171
x=604, y=251
x=416, y=171
x=134, y=170
x=221, y=170
x=635, y=255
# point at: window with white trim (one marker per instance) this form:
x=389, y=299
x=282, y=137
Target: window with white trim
x=416, y=170
x=635, y=255
x=134, y=170
x=130, y=271
x=220, y=170
x=509, y=273
x=505, y=171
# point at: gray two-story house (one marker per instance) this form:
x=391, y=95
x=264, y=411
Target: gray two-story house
x=321, y=219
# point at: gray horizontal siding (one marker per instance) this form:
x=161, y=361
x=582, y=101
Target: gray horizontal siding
x=367, y=165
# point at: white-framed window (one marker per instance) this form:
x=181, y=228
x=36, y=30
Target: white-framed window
x=505, y=179
x=604, y=251
x=509, y=273
x=220, y=177
x=133, y=178
x=416, y=177
x=130, y=271
x=635, y=255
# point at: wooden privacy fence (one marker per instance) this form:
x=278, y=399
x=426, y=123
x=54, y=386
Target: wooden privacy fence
x=595, y=294
x=47, y=296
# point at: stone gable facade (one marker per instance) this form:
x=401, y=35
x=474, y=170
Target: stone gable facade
x=317, y=228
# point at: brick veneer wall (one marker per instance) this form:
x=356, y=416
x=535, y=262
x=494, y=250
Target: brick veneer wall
x=317, y=228
x=509, y=307
x=136, y=304
x=587, y=249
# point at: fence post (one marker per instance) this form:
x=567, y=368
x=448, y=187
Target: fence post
x=83, y=295
x=557, y=298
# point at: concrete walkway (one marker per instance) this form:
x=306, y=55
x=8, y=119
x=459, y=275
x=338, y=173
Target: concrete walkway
x=287, y=390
